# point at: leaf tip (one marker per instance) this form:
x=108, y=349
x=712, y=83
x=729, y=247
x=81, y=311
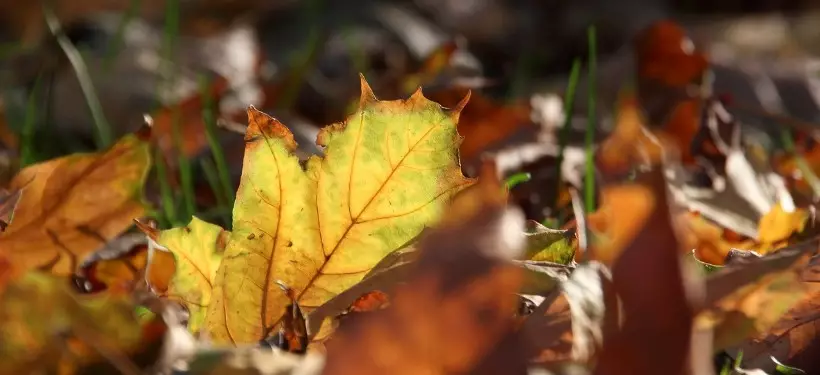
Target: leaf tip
x=455, y=112
x=367, y=95
x=148, y=228
x=261, y=124
x=417, y=96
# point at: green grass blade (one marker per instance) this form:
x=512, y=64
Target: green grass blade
x=212, y=176
x=589, y=181
x=166, y=193
x=27, y=155
x=517, y=179
x=185, y=174
x=569, y=105
x=103, y=129
x=209, y=119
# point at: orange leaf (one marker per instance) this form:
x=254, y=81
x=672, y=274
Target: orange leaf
x=484, y=123
x=647, y=277
x=666, y=54
x=629, y=144
x=458, y=303
x=186, y=116
x=74, y=204
x=124, y=271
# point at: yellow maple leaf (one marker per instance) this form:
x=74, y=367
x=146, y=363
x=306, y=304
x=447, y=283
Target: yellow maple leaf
x=197, y=249
x=70, y=205
x=388, y=171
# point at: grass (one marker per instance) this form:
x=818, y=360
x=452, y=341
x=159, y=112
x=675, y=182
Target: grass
x=589, y=180
x=563, y=137
x=104, y=136
x=516, y=179
x=27, y=151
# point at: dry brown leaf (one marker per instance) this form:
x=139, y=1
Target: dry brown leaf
x=484, y=123
x=457, y=305
x=549, y=329
x=74, y=204
x=711, y=243
x=770, y=298
x=121, y=266
x=624, y=211
x=793, y=339
x=649, y=281
x=185, y=121
x=630, y=143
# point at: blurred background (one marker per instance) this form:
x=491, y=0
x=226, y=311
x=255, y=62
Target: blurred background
x=77, y=74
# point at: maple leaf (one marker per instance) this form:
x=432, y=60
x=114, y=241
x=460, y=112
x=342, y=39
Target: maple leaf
x=454, y=311
x=389, y=171
x=197, y=249
x=74, y=204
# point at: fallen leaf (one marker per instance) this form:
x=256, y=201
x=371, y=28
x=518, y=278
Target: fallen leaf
x=292, y=335
x=389, y=171
x=62, y=330
x=75, y=204
x=624, y=211
x=121, y=265
x=179, y=130
x=668, y=65
x=484, y=123
x=658, y=305
x=630, y=144
x=197, y=249
x=549, y=329
x=711, y=243
x=666, y=54
x=766, y=307
x=8, y=204
x=550, y=245
x=364, y=306
x=454, y=312
x=778, y=224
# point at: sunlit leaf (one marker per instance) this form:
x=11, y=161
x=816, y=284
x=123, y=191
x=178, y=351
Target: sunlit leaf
x=75, y=204
x=551, y=245
x=197, y=249
x=388, y=172
x=457, y=304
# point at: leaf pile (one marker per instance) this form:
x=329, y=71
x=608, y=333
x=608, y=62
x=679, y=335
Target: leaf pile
x=689, y=253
